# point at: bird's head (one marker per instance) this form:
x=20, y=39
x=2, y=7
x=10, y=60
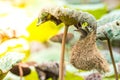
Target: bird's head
x=85, y=29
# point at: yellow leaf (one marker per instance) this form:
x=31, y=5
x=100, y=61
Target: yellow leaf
x=43, y=32
x=33, y=75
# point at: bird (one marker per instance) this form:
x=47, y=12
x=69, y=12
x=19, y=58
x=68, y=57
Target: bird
x=84, y=54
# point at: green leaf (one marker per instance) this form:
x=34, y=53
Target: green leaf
x=7, y=61
x=108, y=18
x=111, y=77
x=3, y=75
x=111, y=29
x=110, y=24
x=33, y=75
x=97, y=10
x=72, y=76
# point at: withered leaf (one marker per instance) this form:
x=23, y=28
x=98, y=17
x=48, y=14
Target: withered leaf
x=58, y=38
x=48, y=70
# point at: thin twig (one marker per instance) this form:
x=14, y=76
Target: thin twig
x=111, y=54
x=20, y=71
x=61, y=69
x=67, y=50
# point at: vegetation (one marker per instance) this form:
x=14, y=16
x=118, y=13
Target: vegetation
x=70, y=41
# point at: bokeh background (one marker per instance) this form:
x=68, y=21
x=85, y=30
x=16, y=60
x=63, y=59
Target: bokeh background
x=19, y=33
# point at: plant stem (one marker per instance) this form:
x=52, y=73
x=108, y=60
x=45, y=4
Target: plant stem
x=111, y=54
x=20, y=71
x=61, y=69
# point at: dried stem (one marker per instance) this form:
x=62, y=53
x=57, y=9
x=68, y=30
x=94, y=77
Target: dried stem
x=111, y=54
x=20, y=71
x=61, y=69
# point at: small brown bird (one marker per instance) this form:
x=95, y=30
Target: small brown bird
x=85, y=54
